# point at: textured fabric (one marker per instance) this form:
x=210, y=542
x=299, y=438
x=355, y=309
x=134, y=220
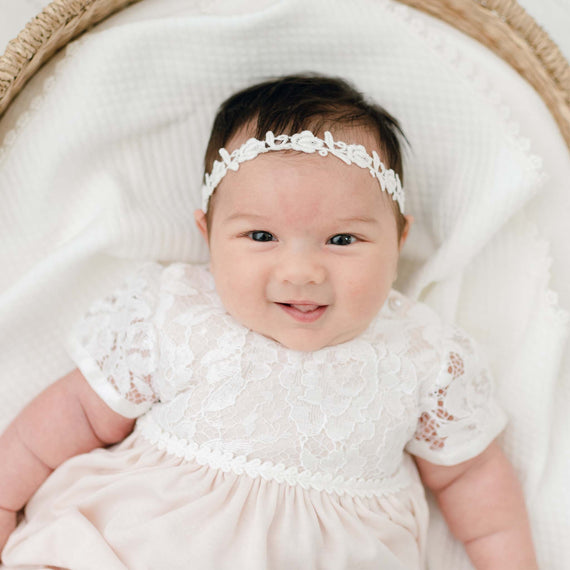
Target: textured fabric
x=226, y=404
x=88, y=194
x=122, y=181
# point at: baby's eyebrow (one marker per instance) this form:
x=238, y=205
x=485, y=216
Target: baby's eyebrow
x=244, y=216
x=363, y=219
x=249, y=216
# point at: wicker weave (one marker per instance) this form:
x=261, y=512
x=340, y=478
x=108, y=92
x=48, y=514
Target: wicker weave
x=501, y=25
x=57, y=24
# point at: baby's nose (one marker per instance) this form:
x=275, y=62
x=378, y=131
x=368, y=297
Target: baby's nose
x=300, y=268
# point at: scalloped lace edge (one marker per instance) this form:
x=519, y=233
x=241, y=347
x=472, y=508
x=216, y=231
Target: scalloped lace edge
x=472, y=73
x=37, y=102
x=254, y=468
x=559, y=316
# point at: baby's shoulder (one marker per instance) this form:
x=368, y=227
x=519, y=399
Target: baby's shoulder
x=187, y=278
x=180, y=280
x=187, y=298
x=401, y=310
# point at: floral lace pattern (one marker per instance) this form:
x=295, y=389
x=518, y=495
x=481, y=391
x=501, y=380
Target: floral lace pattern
x=217, y=391
x=116, y=342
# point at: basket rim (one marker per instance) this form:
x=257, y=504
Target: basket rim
x=45, y=34
x=501, y=25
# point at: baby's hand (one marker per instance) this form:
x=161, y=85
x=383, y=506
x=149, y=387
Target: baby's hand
x=7, y=526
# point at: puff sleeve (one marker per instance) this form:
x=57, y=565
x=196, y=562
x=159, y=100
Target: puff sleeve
x=115, y=344
x=458, y=414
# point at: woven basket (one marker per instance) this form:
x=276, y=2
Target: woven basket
x=501, y=25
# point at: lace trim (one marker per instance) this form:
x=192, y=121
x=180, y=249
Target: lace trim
x=240, y=465
x=12, y=135
x=560, y=317
x=452, y=55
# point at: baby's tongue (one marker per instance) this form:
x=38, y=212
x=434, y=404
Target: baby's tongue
x=305, y=308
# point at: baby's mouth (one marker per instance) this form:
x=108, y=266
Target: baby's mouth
x=306, y=312
x=302, y=307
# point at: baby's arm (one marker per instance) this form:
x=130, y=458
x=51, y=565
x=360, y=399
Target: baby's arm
x=483, y=505
x=67, y=419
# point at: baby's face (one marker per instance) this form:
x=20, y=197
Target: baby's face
x=303, y=248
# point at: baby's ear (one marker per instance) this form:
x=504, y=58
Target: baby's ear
x=202, y=223
x=409, y=222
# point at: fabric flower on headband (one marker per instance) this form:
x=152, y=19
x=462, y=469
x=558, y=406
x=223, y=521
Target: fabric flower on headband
x=306, y=142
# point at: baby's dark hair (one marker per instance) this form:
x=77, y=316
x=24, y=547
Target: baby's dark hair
x=295, y=103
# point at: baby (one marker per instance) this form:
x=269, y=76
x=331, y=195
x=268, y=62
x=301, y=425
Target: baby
x=279, y=393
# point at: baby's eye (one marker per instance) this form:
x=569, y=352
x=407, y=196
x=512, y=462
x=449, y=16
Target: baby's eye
x=261, y=236
x=342, y=239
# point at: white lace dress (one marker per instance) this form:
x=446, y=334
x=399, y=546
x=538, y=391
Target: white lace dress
x=248, y=455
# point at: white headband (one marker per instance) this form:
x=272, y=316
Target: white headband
x=309, y=143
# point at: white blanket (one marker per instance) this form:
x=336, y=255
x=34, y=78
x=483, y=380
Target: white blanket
x=100, y=168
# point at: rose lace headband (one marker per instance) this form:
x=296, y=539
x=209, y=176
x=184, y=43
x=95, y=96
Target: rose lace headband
x=307, y=142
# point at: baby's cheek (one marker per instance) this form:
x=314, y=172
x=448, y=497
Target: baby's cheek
x=243, y=295
x=368, y=295
x=361, y=294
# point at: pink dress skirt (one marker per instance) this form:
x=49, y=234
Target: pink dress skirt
x=135, y=507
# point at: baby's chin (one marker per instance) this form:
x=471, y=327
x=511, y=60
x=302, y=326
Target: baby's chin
x=300, y=337
x=304, y=342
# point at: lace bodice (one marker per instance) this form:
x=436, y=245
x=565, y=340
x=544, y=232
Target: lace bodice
x=339, y=418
